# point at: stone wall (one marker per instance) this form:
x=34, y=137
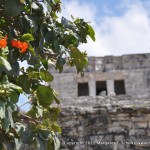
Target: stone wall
x=134, y=70
x=109, y=63
x=137, y=82
x=105, y=123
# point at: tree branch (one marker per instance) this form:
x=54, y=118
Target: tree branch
x=24, y=104
x=25, y=117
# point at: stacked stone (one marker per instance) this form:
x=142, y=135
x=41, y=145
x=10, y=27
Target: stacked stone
x=105, y=123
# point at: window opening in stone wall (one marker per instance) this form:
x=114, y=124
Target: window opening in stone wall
x=83, y=89
x=101, y=87
x=119, y=87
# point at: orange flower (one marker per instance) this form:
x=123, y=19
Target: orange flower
x=13, y=43
x=3, y=42
x=22, y=46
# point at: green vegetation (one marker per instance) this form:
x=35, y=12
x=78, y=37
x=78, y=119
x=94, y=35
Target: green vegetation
x=30, y=30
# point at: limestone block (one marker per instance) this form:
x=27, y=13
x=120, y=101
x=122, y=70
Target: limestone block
x=139, y=125
x=148, y=132
x=108, y=138
x=122, y=124
x=119, y=118
x=83, y=134
x=71, y=123
x=123, y=115
x=96, y=138
x=80, y=128
x=120, y=147
x=140, y=118
x=137, y=132
x=69, y=132
x=119, y=138
x=149, y=124
x=117, y=130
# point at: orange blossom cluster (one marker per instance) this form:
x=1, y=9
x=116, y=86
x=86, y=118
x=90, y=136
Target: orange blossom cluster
x=3, y=42
x=22, y=46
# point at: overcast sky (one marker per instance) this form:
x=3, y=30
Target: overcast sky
x=121, y=26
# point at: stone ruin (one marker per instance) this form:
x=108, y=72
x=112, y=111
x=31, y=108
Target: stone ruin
x=109, y=108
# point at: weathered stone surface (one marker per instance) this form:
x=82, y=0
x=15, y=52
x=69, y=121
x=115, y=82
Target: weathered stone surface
x=109, y=121
x=96, y=120
x=95, y=128
x=139, y=125
x=133, y=69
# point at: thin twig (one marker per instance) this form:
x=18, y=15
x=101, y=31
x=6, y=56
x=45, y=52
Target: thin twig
x=28, y=118
x=24, y=104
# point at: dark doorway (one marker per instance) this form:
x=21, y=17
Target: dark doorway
x=120, y=87
x=100, y=86
x=83, y=89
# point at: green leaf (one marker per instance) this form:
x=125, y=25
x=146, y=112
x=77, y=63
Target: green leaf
x=46, y=75
x=41, y=144
x=27, y=136
x=57, y=1
x=8, y=120
x=45, y=63
x=54, y=113
x=79, y=59
x=41, y=42
x=56, y=143
x=32, y=112
x=72, y=39
x=39, y=111
x=15, y=87
x=2, y=109
x=34, y=60
x=34, y=84
x=32, y=22
x=67, y=23
x=91, y=32
x=5, y=51
x=13, y=7
x=36, y=112
x=15, y=68
x=9, y=115
x=33, y=75
x=55, y=127
x=4, y=63
x=14, y=96
x=19, y=127
x=56, y=99
x=17, y=144
x=7, y=84
x=60, y=63
x=49, y=37
x=50, y=144
x=44, y=134
x=48, y=4
x=56, y=46
x=5, y=79
x=45, y=95
x=27, y=37
x=24, y=83
x=31, y=49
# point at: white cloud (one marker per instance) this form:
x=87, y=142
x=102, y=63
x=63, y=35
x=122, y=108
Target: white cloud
x=116, y=35
x=78, y=9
